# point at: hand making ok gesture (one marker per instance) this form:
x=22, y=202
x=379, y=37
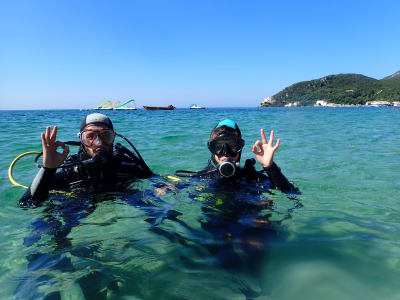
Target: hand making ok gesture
x=51, y=158
x=264, y=151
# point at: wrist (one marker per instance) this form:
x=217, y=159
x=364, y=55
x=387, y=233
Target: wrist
x=267, y=167
x=268, y=164
x=49, y=168
x=47, y=171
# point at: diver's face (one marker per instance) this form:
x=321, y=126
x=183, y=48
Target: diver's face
x=226, y=147
x=102, y=139
x=220, y=159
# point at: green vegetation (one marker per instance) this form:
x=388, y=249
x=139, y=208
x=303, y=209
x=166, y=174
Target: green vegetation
x=340, y=89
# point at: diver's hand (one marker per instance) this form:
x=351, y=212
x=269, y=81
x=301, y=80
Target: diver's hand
x=264, y=151
x=162, y=191
x=51, y=158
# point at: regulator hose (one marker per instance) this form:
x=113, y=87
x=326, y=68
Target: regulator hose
x=10, y=169
x=71, y=143
x=38, y=154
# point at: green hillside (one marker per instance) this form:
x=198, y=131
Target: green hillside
x=340, y=89
x=395, y=76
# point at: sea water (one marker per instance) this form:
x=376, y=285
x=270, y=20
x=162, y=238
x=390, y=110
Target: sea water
x=338, y=239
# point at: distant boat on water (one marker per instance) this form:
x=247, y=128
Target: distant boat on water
x=105, y=104
x=125, y=108
x=128, y=105
x=169, y=107
x=125, y=105
x=110, y=106
x=195, y=106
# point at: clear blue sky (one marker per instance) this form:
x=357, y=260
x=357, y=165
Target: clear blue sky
x=77, y=54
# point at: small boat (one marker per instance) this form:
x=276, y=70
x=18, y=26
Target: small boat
x=169, y=107
x=110, y=106
x=125, y=106
x=195, y=106
x=105, y=104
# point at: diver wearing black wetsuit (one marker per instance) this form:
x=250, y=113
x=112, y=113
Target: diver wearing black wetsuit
x=249, y=173
x=225, y=145
x=95, y=164
x=235, y=214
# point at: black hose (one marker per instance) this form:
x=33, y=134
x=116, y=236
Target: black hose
x=137, y=152
x=186, y=173
x=75, y=143
x=71, y=143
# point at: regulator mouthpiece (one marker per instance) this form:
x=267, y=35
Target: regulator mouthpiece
x=227, y=168
x=102, y=158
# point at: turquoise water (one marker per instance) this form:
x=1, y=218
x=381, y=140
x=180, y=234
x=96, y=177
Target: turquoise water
x=339, y=239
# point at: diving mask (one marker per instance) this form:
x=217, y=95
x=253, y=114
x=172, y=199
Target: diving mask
x=88, y=137
x=226, y=145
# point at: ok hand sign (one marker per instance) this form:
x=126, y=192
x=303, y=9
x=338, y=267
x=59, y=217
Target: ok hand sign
x=51, y=158
x=264, y=151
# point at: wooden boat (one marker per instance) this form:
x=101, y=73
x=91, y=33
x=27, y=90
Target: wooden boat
x=169, y=107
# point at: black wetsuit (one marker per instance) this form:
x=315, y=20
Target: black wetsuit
x=82, y=171
x=249, y=173
x=236, y=212
x=112, y=172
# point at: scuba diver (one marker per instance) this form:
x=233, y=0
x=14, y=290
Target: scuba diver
x=95, y=165
x=99, y=166
x=226, y=145
x=236, y=209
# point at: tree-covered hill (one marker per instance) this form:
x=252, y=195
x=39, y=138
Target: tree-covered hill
x=340, y=89
x=395, y=76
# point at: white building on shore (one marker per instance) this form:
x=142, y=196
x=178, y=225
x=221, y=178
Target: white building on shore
x=321, y=103
x=378, y=103
x=293, y=104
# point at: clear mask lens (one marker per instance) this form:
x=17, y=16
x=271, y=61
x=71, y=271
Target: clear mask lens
x=89, y=137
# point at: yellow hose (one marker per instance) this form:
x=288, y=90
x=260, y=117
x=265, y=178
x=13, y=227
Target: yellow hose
x=10, y=169
x=10, y=176
x=173, y=178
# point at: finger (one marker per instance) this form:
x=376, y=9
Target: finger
x=65, y=152
x=59, y=144
x=271, y=138
x=44, y=143
x=47, y=135
x=255, y=148
x=53, y=134
x=258, y=143
x=278, y=142
x=264, y=139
